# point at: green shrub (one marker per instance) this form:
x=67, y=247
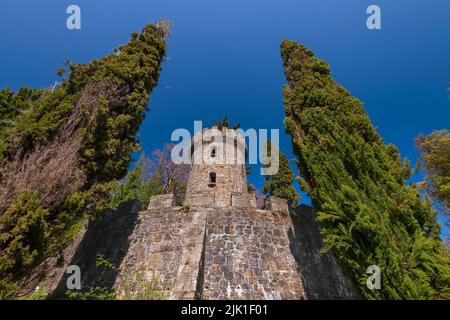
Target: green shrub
x=22, y=240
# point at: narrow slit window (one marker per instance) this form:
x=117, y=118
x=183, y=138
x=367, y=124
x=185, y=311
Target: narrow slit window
x=213, y=153
x=212, y=178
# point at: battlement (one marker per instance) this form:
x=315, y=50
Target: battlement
x=243, y=200
x=276, y=204
x=205, y=199
x=161, y=201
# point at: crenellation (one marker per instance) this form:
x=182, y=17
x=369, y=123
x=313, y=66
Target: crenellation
x=161, y=201
x=277, y=204
x=243, y=200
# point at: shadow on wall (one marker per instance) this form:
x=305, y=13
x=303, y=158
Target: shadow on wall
x=321, y=275
x=107, y=239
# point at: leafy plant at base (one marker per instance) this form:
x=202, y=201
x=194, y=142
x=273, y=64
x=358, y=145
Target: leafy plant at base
x=38, y=294
x=136, y=287
x=93, y=293
x=186, y=207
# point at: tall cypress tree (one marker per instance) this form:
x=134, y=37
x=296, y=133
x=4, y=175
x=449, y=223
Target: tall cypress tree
x=62, y=148
x=357, y=184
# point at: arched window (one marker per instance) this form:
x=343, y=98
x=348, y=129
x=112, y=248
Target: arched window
x=213, y=153
x=212, y=179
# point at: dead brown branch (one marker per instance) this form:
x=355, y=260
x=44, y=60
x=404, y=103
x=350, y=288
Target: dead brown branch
x=52, y=168
x=164, y=28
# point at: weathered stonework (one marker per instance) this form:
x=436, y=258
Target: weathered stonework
x=243, y=200
x=166, y=247
x=200, y=199
x=247, y=256
x=220, y=246
x=323, y=279
x=279, y=205
x=214, y=253
x=211, y=253
x=212, y=158
x=161, y=201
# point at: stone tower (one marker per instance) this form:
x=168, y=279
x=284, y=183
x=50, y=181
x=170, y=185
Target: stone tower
x=218, y=169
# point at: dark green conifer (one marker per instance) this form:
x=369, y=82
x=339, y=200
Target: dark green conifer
x=280, y=183
x=91, y=119
x=357, y=185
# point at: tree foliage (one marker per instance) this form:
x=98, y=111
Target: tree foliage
x=280, y=184
x=174, y=175
x=151, y=176
x=224, y=124
x=138, y=185
x=90, y=119
x=435, y=160
x=357, y=184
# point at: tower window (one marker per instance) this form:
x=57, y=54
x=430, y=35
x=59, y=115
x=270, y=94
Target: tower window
x=212, y=179
x=213, y=153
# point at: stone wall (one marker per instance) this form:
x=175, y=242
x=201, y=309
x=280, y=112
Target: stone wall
x=243, y=200
x=234, y=253
x=323, y=279
x=229, y=179
x=207, y=253
x=108, y=238
x=200, y=199
x=247, y=256
x=161, y=201
x=213, y=253
x=165, y=247
x=276, y=204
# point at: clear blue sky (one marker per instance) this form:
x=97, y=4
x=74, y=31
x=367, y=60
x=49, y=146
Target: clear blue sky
x=224, y=58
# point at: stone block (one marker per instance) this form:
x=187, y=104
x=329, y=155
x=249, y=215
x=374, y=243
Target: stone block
x=161, y=201
x=243, y=200
x=278, y=205
x=200, y=199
